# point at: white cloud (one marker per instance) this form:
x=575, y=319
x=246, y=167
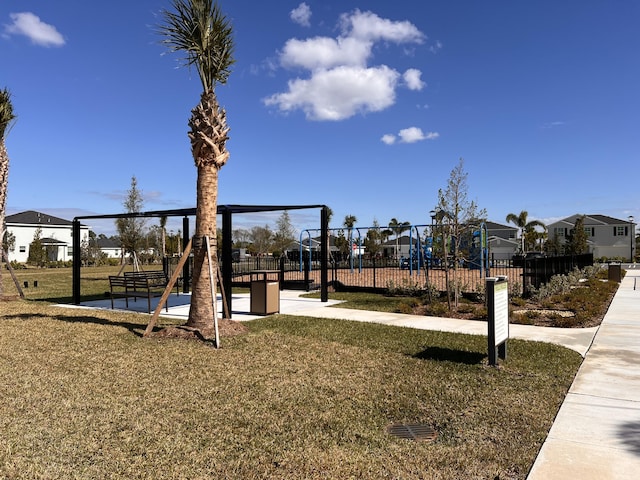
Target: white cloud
x=301, y=15
x=388, y=139
x=341, y=83
x=409, y=135
x=30, y=25
x=339, y=93
x=370, y=27
x=324, y=52
x=412, y=79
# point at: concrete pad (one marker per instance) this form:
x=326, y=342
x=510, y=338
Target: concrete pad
x=615, y=335
x=599, y=421
x=604, y=375
x=568, y=460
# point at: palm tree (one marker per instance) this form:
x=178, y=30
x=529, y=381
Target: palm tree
x=6, y=117
x=520, y=221
x=200, y=30
x=398, y=228
x=349, y=222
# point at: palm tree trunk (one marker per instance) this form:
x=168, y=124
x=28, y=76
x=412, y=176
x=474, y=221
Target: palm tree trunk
x=201, y=310
x=4, y=181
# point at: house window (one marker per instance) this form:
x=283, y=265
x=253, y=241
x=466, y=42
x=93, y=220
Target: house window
x=559, y=232
x=589, y=231
x=70, y=251
x=620, y=231
x=23, y=249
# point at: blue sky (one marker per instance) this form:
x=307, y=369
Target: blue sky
x=365, y=106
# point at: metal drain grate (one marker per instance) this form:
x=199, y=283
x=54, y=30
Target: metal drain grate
x=413, y=431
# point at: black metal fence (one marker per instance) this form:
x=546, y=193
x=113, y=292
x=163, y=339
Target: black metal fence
x=371, y=274
x=385, y=274
x=538, y=271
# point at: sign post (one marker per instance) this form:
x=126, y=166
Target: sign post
x=497, y=289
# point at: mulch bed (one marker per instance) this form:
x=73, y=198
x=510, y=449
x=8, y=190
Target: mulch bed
x=226, y=328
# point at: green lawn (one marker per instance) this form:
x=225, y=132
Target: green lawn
x=84, y=396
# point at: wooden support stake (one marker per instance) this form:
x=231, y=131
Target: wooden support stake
x=225, y=305
x=167, y=290
x=12, y=272
x=212, y=282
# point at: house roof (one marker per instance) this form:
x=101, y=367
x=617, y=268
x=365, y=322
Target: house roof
x=497, y=226
x=107, y=243
x=31, y=217
x=606, y=220
x=51, y=241
x=593, y=220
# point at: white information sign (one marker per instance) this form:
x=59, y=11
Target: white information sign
x=501, y=312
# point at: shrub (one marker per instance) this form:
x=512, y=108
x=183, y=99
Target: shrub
x=559, y=284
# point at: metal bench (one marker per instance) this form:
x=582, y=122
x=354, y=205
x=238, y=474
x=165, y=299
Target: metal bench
x=138, y=284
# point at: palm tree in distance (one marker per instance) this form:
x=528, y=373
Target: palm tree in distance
x=520, y=221
x=398, y=228
x=349, y=222
x=198, y=29
x=6, y=117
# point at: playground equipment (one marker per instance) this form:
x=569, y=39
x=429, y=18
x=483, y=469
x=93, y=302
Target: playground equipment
x=478, y=251
x=421, y=252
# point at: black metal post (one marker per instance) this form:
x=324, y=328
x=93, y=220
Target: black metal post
x=324, y=254
x=77, y=259
x=227, y=256
x=186, y=275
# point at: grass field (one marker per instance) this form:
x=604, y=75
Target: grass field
x=83, y=395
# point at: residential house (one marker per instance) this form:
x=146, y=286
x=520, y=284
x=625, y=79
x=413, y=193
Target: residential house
x=607, y=237
x=502, y=241
x=109, y=247
x=55, y=235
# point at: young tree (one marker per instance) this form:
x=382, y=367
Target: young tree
x=342, y=244
x=552, y=246
x=6, y=119
x=261, y=239
x=373, y=239
x=458, y=217
x=198, y=29
x=90, y=253
x=9, y=242
x=577, y=239
x=285, y=235
x=131, y=230
x=37, y=253
x=241, y=238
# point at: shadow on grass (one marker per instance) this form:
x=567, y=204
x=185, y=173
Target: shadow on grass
x=450, y=355
x=135, y=328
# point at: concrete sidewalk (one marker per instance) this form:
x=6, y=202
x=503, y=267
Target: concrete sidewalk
x=596, y=434
x=291, y=303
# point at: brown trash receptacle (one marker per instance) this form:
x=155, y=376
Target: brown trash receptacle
x=615, y=272
x=265, y=292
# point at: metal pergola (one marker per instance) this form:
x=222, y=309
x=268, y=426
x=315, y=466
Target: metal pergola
x=227, y=212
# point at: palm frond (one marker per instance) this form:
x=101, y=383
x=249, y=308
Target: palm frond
x=6, y=111
x=200, y=30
